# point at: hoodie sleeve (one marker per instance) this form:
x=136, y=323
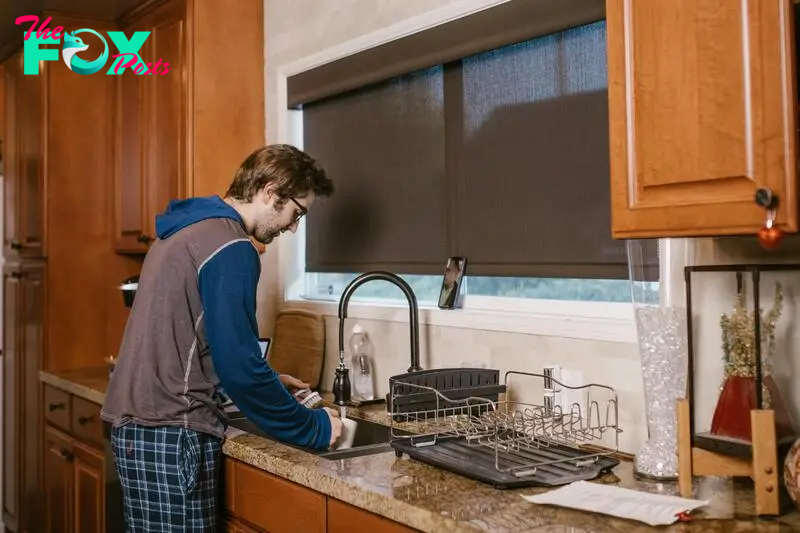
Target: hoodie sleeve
x=228, y=282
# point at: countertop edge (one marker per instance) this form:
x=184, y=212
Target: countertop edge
x=389, y=508
x=67, y=385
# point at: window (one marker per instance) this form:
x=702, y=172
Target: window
x=329, y=286
x=499, y=154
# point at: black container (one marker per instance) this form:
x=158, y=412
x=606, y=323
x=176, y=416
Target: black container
x=128, y=288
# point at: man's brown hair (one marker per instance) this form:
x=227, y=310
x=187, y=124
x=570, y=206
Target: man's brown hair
x=294, y=173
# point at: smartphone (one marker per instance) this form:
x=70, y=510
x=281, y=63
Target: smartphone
x=454, y=271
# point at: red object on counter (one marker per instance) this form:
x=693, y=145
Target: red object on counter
x=738, y=398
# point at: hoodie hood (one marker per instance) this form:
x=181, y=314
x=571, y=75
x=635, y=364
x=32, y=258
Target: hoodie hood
x=183, y=213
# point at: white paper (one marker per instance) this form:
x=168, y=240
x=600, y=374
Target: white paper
x=652, y=509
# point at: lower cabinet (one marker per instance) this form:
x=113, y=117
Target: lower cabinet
x=74, y=464
x=256, y=501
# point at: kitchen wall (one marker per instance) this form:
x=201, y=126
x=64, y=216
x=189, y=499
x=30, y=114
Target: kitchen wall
x=297, y=29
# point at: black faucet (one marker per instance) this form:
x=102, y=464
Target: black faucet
x=341, y=384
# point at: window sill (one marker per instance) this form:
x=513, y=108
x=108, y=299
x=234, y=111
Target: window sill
x=563, y=321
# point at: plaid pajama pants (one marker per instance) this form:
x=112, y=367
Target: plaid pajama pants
x=170, y=478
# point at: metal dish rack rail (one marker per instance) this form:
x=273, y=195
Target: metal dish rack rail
x=522, y=437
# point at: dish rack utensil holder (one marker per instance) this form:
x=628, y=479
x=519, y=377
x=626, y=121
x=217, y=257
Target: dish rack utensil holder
x=509, y=442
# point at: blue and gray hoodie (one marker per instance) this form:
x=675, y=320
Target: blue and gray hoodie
x=192, y=329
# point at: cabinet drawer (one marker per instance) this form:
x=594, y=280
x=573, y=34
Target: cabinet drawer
x=344, y=518
x=86, y=422
x=272, y=503
x=57, y=407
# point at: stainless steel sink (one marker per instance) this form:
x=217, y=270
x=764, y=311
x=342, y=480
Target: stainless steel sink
x=370, y=438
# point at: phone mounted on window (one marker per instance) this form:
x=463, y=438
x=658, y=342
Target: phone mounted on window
x=454, y=271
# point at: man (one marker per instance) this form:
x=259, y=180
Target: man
x=191, y=331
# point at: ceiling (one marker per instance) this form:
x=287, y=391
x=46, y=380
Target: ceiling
x=11, y=9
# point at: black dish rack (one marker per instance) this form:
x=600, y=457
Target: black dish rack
x=422, y=391
x=456, y=419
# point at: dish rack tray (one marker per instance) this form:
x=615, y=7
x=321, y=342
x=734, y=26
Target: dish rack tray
x=513, y=441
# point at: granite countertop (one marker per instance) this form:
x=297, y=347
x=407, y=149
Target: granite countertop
x=433, y=500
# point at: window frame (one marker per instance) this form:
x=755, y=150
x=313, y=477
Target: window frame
x=586, y=320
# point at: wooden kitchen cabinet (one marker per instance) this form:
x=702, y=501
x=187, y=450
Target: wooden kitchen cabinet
x=23, y=337
x=61, y=305
x=74, y=485
x=186, y=132
x=256, y=501
x=345, y=518
x=74, y=465
x=151, y=164
x=702, y=111
x=23, y=165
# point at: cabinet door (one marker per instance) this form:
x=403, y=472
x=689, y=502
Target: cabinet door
x=129, y=209
x=31, y=326
x=59, y=456
x=12, y=74
x=165, y=101
x=30, y=165
x=701, y=110
x=12, y=421
x=152, y=131
x=345, y=518
x=89, y=494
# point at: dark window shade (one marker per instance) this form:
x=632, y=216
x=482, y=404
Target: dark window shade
x=384, y=149
x=508, y=23
x=502, y=157
x=534, y=170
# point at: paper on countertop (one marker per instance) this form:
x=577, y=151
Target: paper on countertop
x=652, y=509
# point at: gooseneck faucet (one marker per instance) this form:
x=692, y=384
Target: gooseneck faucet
x=341, y=384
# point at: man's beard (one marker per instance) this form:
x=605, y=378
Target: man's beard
x=267, y=234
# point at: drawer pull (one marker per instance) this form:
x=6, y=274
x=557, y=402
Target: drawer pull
x=56, y=406
x=85, y=419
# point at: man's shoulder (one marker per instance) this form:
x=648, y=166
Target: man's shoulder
x=208, y=237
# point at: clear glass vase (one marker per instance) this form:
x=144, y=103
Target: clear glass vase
x=660, y=311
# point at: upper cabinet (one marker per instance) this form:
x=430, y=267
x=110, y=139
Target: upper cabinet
x=185, y=132
x=702, y=104
x=23, y=160
x=152, y=111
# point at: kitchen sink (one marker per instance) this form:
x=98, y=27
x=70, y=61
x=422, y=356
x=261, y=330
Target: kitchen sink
x=370, y=438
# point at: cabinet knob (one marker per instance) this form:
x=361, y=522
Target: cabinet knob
x=144, y=239
x=85, y=419
x=55, y=406
x=66, y=454
x=766, y=198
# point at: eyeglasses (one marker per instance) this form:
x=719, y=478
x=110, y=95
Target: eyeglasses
x=300, y=214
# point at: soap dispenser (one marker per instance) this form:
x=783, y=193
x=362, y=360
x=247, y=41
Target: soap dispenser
x=361, y=363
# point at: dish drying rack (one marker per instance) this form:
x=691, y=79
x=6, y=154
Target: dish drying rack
x=508, y=442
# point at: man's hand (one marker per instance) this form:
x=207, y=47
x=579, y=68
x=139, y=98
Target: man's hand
x=336, y=424
x=291, y=382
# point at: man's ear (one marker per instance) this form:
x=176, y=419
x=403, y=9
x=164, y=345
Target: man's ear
x=269, y=194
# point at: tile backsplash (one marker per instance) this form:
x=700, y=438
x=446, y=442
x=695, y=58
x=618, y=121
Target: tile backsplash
x=607, y=363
